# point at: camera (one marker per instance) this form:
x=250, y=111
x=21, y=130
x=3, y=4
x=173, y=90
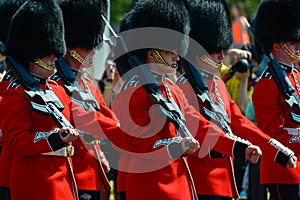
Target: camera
x=243, y=65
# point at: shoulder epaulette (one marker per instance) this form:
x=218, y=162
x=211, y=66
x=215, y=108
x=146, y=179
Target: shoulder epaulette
x=14, y=84
x=55, y=77
x=207, y=75
x=9, y=76
x=133, y=82
x=266, y=74
x=182, y=79
x=286, y=68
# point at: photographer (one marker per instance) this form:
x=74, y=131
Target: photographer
x=241, y=77
x=240, y=81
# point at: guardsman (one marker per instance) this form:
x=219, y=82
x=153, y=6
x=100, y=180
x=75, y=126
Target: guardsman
x=277, y=30
x=210, y=28
x=84, y=29
x=150, y=174
x=153, y=177
x=41, y=167
x=7, y=10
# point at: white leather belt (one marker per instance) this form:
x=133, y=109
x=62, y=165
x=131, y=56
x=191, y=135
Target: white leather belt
x=293, y=131
x=64, y=152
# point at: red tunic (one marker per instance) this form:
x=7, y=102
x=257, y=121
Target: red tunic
x=272, y=116
x=6, y=159
x=151, y=174
x=1, y=139
x=214, y=176
x=88, y=170
x=25, y=133
x=3, y=85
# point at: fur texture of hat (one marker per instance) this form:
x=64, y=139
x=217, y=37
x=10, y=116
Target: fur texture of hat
x=171, y=14
x=277, y=21
x=84, y=25
x=7, y=9
x=167, y=14
x=124, y=23
x=36, y=31
x=210, y=24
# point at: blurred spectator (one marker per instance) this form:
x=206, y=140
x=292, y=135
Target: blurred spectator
x=109, y=86
x=239, y=25
x=240, y=81
x=235, y=54
x=109, y=82
x=240, y=78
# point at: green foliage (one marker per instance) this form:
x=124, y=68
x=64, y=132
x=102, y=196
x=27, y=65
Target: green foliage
x=250, y=6
x=118, y=9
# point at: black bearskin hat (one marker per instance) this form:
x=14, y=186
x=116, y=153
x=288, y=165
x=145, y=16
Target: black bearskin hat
x=277, y=21
x=167, y=14
x=171, y=14
x=84, y=25
x=7, y=9
x=36, y=31
x=210, y=24
x=124, y=23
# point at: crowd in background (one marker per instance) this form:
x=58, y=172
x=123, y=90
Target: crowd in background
x=58, y=59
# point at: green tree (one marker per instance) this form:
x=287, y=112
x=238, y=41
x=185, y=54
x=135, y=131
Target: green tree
x=118, y=8
x=250, y=6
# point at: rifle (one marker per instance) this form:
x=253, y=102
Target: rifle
x=212, y=110
x=82, y=97
x=285, y=87
x=167, y=107
x=282, y=81
x=47, y=102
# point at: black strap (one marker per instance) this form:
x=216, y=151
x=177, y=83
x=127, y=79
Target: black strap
x=286, y=88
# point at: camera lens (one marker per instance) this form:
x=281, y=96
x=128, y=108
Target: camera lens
x=242, y=65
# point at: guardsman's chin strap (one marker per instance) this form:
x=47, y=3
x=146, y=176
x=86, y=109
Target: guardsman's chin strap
x=44, y=65
x=210, y=62
x=161, y=60
x=73, y=53
x=288, y=51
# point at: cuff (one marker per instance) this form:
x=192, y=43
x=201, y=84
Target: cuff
x=283, y=154
x=239, y=150
x=215, y=154
x=282, y=158
x=175, y=150
x=55, y=141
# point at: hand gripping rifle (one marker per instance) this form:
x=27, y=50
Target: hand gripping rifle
x=47, y=102
x=167, y=107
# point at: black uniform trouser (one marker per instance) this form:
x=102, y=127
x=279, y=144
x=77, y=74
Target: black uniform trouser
x=257, y=191
x=4, y=193
x=89, y=195
x=122, y=195
x=212, y=197
x=284, y=191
